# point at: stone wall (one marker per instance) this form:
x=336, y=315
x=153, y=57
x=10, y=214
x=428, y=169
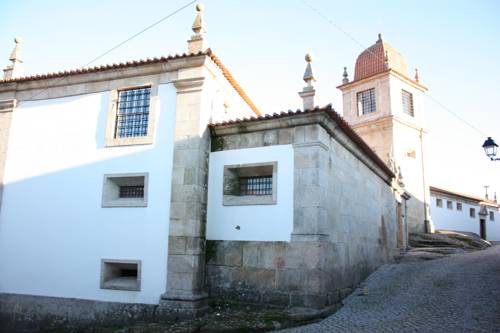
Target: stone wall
x=6, y=108
x=344, y=223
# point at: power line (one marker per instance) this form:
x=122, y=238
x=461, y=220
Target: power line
x=336, y=26
x=140, y=32
x=127, y=40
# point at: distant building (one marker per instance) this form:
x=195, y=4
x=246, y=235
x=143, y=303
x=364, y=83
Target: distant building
x=462, y=212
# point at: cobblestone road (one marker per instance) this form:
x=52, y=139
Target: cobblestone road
x=459, y=293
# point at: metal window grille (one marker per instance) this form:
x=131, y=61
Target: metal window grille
x=472, y=212
x=459, y=206
x=259, y=185
x=407, y=103
x=439, y=203
x=132, y=191
x=133, y=112
x=366, y=101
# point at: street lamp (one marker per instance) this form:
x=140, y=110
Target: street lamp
x=490, y=148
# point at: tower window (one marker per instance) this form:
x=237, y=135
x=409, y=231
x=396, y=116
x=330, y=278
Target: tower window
x=366, y=101
x=407, y=102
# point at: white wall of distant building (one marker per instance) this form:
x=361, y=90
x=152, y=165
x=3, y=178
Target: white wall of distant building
x=445, y=218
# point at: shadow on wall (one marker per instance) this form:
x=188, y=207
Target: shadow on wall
x=53, y=228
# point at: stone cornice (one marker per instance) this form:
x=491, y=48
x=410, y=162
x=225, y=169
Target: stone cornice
x=337, y=132
x=387, y=120
x=387, y=72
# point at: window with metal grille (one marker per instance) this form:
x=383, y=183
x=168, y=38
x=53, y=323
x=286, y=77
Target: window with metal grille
x=459, y=206
x=132, y=112
x=259, y=185
x=439, y=203
x=472, y=212
x=366, y=101
x=407, y=102
x=135, y=191
x=492, y=216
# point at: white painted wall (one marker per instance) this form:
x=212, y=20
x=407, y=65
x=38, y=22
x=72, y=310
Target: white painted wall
x=453, y=219
x=53, y=231
x=257, y=222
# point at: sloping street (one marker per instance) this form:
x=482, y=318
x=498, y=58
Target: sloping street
x=459, y=293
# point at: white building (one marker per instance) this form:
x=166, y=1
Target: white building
x=462, y=212
x=143, y=188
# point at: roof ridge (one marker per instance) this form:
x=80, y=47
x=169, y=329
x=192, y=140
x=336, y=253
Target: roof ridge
x=98, y=68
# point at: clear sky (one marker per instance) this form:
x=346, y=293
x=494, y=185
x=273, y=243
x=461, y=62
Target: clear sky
x=454, y=44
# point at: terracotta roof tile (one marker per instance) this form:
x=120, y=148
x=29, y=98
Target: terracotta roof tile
x=372, y=61
x=141, y=62
x=328, y=110
x=465, y=196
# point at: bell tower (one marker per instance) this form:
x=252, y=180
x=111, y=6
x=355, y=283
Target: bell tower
x=384, y=106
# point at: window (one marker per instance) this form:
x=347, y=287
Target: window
x=133, y=112
x=439, y=203
x=131, y=116
x=492, y=216
x=459, y=206
x=250, y=184
x=449, y=204
x=407, y=103
x=125, y=190
x=366, y=101
x=121, y=274
x=472, y=212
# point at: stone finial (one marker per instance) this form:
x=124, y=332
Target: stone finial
x=198, y=42
x=386, y=61
x=308, y=92
x=379, y=38
x=345, y=76
x=15, y=69
x=417, y=77
x=308, y=74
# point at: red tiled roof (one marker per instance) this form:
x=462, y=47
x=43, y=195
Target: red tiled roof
x=328, y=110
x=372, y=61
x=141, y=62
x=462, y=195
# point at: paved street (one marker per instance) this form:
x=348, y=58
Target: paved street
x=460, y=293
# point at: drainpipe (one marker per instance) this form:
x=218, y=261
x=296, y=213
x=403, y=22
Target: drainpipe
x=426, y=210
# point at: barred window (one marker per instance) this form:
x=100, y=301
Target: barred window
x=131, y=191
x=250, y=184
x=132, y=112
x=260, y=185
x=366, y=101
x=472, y=212
x=407, y=103
x=492, y=216
x=439, y=203
x=459, y=206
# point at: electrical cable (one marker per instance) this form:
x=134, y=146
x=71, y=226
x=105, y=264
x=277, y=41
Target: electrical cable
x=126, y=40
x=336, y=26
